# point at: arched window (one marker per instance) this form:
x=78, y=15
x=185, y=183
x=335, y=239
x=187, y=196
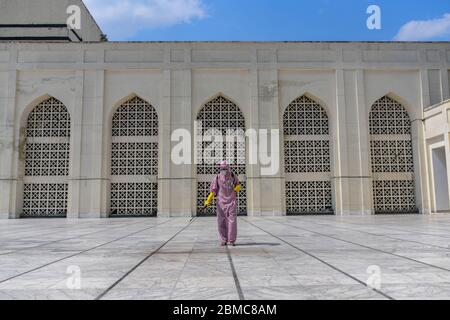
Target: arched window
x=134, y=160
x=223, y=115
x=392, y=158
x=307, y=158
x=46, y=160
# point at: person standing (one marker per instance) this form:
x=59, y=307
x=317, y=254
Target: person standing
x=225, y=187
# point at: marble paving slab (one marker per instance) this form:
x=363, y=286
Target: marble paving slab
x=310, y=257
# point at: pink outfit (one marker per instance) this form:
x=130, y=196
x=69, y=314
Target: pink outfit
x=223, y=187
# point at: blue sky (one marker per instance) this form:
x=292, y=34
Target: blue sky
x=269, y=20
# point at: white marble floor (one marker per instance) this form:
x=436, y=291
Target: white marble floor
x=323, y=257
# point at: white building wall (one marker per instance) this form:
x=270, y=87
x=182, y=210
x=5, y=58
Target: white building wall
x=436, y=138
x=178, y=78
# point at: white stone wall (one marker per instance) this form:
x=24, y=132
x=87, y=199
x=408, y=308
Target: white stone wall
x=437, y=129
x=92, y=80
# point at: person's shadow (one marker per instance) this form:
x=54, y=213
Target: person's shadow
x=249, y=244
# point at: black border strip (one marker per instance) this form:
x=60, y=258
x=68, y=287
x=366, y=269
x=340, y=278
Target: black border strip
x=76, y=34
x=35, y=38
x=37, y=25
x=235, y=276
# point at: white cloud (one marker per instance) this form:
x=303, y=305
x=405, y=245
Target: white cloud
x=120, y=19
x=425, y=29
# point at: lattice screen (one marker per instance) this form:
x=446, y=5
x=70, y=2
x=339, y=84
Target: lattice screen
x=46, y=160
x=222, y=115
x=134, y=160
x=307, y=158
x=392, y=158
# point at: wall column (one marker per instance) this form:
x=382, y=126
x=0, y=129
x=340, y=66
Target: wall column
x=420, y=166
x=164, y=168
x=421, y=172
x=76, y=135
x=92, y=185
x=178, y=181
x=353, y=192
x=365, y=198
x=444, y=76
x=265, y=192
x=338, y=130
x=252, y=170
x=8, y=144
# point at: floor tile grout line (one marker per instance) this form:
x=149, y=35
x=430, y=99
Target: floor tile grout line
x=181, y=271
x=70, y=238
x=26, y=228
x=65, y=239
x=376, y=235
x=142, y=261
x=395, y=229
x=55, y=233
x=287, y=271
x=235, y=276
x=18, y=236
x=323, y=261
x=367, y=247
x=81, y=252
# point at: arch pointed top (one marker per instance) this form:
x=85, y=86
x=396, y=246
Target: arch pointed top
x=50, y=104
x=394, y=99
x=134, y=116
x=49, y=118
x=314, y=99
x=130, y=97
x=389, y=102
x=221, y=107
x=388, y=116
x=219, y=95
x=32, y=105
x=304, y=116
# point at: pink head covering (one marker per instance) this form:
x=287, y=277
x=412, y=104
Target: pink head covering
x=224, y=165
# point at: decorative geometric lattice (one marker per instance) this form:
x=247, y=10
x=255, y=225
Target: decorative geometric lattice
x=49, y=119
x=134, y=199
x=394, y=196
x=307, y=158
x=203, y=192
x=135, y=118
x=387, y=116
x=304, y=117
x=46, y=160
x=303, y=197
x=45, y=200
x=224, y=117
x=392, y=158
x=134, y=159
